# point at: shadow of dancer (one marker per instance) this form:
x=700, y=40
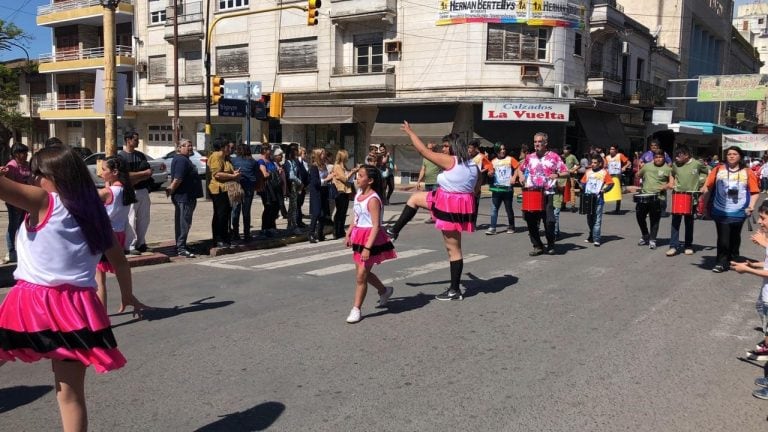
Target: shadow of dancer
x=256, y=418
x=156, y=313
x=475, y=285
x=14, y=397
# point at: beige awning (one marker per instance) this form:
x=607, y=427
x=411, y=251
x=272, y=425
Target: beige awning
x=316, y=115
x=390, y=133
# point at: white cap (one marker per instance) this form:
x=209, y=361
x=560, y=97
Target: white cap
x=277, y=152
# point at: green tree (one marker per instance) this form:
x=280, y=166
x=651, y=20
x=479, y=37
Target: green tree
x=11, y=120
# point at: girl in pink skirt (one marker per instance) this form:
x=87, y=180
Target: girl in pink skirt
x=117, y=195
x=452, y=203
x=53, y=312
x=366, y=238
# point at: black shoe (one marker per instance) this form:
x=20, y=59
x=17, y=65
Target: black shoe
x=391, y=233
x=719, y=268
x=186, y=254
x=142, y=248
x=536, y=252
x=235, y=236
x=450, y=294
x=312, y=238
x=301, y=225
x=223, y=245
x=550, y=250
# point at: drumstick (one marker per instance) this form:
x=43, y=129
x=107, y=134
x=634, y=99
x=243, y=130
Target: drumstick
x=749, y=223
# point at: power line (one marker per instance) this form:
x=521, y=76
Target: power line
x=17, y=10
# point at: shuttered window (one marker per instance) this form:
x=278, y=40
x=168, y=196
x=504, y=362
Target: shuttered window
x=369, y=53
x=232, y=60
x=516, y=42
x=157, y=69
x=298, y=54
x=193, y=67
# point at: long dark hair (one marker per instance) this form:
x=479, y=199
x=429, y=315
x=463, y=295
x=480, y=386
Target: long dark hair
x=458, y=146
x=78, y=194
x=118, y=163
x=742, y=163
x=374, y=174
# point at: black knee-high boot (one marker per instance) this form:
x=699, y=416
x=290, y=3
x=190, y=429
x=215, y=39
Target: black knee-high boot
x=456, y=268
x=405, y=217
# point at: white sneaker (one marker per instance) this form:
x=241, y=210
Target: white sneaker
x=671, y=252
x=689, y=252
x=652, y=244
x=384, y=298
x=354, y=316
x=490, y=231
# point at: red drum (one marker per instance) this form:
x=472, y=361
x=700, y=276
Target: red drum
x=682, y=203
x=533, y=200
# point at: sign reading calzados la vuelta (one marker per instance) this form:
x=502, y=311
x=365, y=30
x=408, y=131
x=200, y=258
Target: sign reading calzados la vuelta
x=521, y=111
x=549, y=13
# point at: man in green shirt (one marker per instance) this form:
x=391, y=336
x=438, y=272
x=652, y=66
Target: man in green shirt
x=572, y=162
x=687, y=175
x=428, y=174
x=656, y=180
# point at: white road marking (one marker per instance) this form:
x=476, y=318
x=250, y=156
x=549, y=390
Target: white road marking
x=429, y=268
x=349, y=267
x=269, y=252
x=301, y=260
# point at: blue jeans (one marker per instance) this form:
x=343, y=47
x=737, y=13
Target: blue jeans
x=674, y=238
x=182, y=221
x=245, y=207
x=595, y=222
x=497, y=198
x=15, y=219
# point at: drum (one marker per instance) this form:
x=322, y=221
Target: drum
x=682, y=203
x=533, y=200
x=588, y=204
x=645, y=198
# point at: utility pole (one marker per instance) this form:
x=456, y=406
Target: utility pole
x=110, y=94
x=175, y=73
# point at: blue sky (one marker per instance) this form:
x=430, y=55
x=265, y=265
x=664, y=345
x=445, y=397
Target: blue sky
x=23, y=12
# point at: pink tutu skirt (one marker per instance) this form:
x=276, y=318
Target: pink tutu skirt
x=452, y=211
x=104, y=265
x=64, y=322
x=382, y=249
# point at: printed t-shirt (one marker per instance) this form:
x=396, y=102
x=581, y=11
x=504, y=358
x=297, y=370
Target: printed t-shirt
x=654, y=178
x=539, y=170
x=725, y=207
x=614, y=163
x=502, y=173
x=688, y=176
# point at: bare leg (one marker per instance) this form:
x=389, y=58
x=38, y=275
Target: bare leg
x=101, y=287
x=361, y=284
x=70, y=393
x=418, y=199
x=376, y=282
x=452, y=240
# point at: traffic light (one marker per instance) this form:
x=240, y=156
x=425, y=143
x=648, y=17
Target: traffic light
x=276, y=105
x=260, y=108
x=217, y=89
x=312, y=12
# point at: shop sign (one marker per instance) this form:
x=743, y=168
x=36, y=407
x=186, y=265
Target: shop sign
x=747, y=142
x=521, y=111
x=724, y=88
x=547, y=13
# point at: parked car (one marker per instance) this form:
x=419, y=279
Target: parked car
x=159, y=170
x=84, y=152
x=199, y=158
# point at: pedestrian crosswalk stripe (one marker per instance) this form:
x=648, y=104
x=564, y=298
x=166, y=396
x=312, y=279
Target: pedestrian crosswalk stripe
x=302, y=260
x=429, y=268
x=268, y=252
x=349, y=267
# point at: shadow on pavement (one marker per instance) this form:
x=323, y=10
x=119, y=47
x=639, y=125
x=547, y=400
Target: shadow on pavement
x=14, y=397
x=156, y=314
x=707, y=262
x=397, y=305
x=475, y=285
x=610, y=238
x=257, y=418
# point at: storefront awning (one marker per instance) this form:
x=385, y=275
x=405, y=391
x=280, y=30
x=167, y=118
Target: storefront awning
x=431, y=123
x=603, y=129
x=708, y=128
x=316, y=115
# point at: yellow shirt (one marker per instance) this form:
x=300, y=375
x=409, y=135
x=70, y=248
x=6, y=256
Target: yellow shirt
x=217, y=163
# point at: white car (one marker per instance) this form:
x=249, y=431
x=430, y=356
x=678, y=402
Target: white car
x=159, y=170
x=198, y=158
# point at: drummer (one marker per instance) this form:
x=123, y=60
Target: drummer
x=543, y=168
x=656, y=181
x=596, y=181
x=616, y=163
x=688, y=175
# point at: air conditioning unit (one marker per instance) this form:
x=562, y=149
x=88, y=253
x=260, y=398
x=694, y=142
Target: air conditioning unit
x=141, y=67
x=625, y=48
x=529, y=72
x=565, y=91
x=392, y=47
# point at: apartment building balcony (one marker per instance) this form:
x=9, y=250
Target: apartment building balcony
x=606, y=14
x=363, y=10
x=75, y=109
x=606, y=86
x=645, y=94
x=85, y=59
x=370, y=79
x=190, y=89
x=190, y=22
x=90, y=12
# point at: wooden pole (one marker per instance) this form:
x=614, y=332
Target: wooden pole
x=110, y=93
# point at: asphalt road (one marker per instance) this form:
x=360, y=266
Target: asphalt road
x=593, y=339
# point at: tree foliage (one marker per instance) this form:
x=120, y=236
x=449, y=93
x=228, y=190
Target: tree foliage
x=11, y=120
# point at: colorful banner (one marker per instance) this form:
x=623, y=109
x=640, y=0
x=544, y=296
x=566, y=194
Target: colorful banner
x=549, y=13
x=724, y=88
x=747, y=142
x=521, y=111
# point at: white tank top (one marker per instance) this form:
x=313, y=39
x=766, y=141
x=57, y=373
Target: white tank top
x=362, y=215
x=55, y=252
x=460, y=178
x=117, y=212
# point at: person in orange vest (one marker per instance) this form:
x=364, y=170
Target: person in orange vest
x=616, y=163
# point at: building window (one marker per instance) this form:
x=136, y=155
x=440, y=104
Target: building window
x=157, y=69
x=298, y=54
x=577, y=44
x=192, y=67
x=156, y=12
x=516, y=42
x=232, y=4
x=160, y=135
x=232, y=60
x=369, y=53
x=760, y=20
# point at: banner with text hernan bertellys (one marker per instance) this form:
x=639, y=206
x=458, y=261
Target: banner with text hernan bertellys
x=550, y=13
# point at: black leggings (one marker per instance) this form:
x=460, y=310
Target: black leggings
x=728, y=241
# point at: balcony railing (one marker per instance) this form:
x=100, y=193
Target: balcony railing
x=645, y=93
x=37, y=102
x=363, y=70
x=606, y=75
x=188, y=12
x=84, y=54
x=611, y=3
x=71, y=104
x=70, y=5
